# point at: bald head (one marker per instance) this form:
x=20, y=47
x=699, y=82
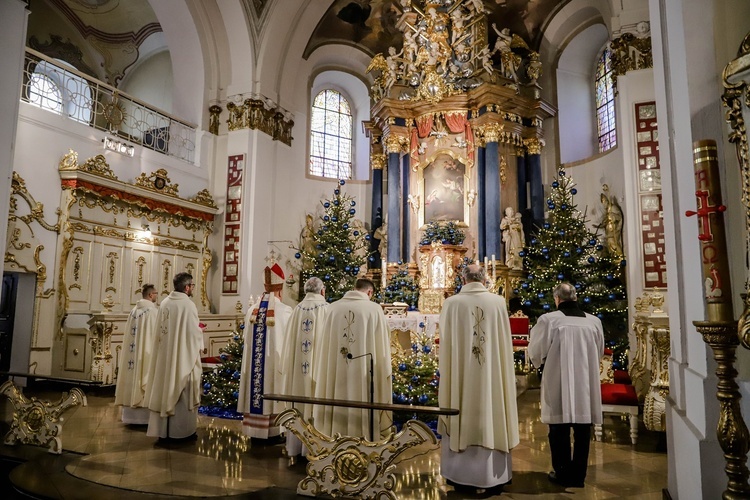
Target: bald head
x=564, y=292
x=473, y=273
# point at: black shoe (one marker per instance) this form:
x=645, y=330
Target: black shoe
x=554, y=478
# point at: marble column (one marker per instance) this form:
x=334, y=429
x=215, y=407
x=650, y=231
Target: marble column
x=491, y=190
x=377, y=163
x=534, y=172
x=405, y=223
x=481, y=202
x=393, y=148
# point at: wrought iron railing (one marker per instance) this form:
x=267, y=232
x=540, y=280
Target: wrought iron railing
x=56, y=87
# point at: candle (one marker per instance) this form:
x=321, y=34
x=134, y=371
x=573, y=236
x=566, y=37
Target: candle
x=382, y=274
x=485, y=263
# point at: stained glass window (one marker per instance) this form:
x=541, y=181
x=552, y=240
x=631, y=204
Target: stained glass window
x=331, y=136
x=605, y=103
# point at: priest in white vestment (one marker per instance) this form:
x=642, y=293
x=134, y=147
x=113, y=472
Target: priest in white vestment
x=175, y=390
x=569, y=344
x=304, y=329
x=355, y=333
x=135, y=358
x=265, y=326
x=478, y=378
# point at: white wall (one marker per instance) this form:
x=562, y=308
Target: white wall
x=151, y=81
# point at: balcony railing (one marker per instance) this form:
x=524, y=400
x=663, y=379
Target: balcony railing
x=56, y=87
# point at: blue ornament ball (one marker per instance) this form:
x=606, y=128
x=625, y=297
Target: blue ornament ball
x=579, y=250
x=207, y=386
x=521, y=253
x=574, y=191
x=348, y=268
x=599, y=247
x=418, y=362
x=242, y=326
x=415, y=378
x=326, y=204
x=623, y=263
x=611, y=296
x=331, y=258
x=236, y=337
x=399, y=262
x=561, y=276
x=356, y=269
x=414, y=347
x=352, y=211
x=345, y=226
x=564, y=206
x=540, y=295
x=324, y=228
x=591, y=260
x=235, y=394
x=334, y=219
x=527, y=303
x=402, y=367
x=356, y=233
x=236, y=375
x=524, y=286
x=336, y=202
x=342, y=182
x=600, y=315
x=318, y=246
x=321, y=255
x=587, y=299
x=609, y=277
x=551, y=206
x=426, y=349
x=337, y=192
x=423, y=398
x=592, y=242
x=348, y=250
x=327, y=277
x=561, y=232
x=533, y=241
x=555, y=184
x=545, y=307
x=371, y=258
x=223, y=357
x=545, y=250
x=578, y=286
x=297, y=255
x=562, y=173
x=368, y=237
x=320, y=232
x=566, y=254
x=546, y=225
x=353, y=203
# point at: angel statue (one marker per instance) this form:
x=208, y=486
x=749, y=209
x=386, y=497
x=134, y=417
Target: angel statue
x=513, y=238
x=384, y=81
x=612, y=224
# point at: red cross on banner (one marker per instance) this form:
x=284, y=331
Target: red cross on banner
x=704, y=211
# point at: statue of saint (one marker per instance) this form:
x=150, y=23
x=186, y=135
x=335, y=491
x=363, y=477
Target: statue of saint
x=513, y=238
x=612, y=224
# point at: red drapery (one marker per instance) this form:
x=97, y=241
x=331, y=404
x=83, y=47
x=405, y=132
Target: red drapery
x=458, y=121
x=424, y=125
x=414, y=149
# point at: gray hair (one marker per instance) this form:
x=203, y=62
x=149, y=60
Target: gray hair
x=314, y=285
x=474, y=274
x=181, y=281
x=565, y=292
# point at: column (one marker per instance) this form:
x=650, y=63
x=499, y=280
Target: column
x=491, y=190
x=534, y=172
x=523, y=201
x=393, y=149
x=13, y=15
x=377, y=163
x=481, y=203
x=405, y=208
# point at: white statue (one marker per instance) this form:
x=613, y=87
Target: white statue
x=513, y=238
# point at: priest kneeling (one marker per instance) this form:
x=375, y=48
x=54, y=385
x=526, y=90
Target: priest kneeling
x=477, y=377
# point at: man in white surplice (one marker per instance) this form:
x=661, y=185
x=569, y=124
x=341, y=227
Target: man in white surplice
x=175, y=390
x=570, y=344
x=135, y=360
x=304, y=329
x=477, y=377
x=265, y=326
x=354, y=329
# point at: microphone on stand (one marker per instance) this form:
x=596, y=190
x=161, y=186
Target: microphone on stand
x=372, y=389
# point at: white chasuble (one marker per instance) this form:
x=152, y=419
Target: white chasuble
x=355, y=326
x=477, y=375
x=305, y=327
x=176, y=370
x=135, y=360
x=570, y=347
x=265, y=326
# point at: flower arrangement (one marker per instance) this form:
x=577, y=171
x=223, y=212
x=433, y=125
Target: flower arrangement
x=447, y=233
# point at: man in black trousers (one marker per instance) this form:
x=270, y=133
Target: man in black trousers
x=570, y=344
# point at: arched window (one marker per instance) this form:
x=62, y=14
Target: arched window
x=331, y=136
x=605, y=102
x=43, y=92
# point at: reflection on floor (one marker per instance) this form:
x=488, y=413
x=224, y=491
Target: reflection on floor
x=106, y=459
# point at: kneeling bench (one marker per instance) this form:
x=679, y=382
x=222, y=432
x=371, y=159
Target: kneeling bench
x=621, y=399
x=352, y=466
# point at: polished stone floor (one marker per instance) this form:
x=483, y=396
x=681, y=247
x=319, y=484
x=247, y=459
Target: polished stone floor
x=105, y=459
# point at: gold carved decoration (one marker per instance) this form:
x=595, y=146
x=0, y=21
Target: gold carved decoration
x=166, y=271
x=102, y=367
x=262, y=114
x=36, y=421
x=157, y=181
x=534, y=145
x=349, y=466
x=98, y=165
x=207, y=259
x=490, y=132
x=503, y=169
x=654, y=407
x=378, y=161
x=204, y=197
x=629, y=53
x=140, y=263
x=112, y=266
x=396, y=143
x=77, y=251
x=18, y=188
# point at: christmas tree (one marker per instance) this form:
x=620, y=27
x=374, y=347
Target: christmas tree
x=221, y=386
x=400, y=288
x=416, y=378
x=565, y=249
x=338, y=249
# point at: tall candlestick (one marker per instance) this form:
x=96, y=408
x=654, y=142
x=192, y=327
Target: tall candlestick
x=383, y=274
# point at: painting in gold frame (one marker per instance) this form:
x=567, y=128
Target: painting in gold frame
x=442, y=186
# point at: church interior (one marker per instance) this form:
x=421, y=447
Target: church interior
x=600, y=142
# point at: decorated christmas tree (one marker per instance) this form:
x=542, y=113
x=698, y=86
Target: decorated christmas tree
x=416, y=378
x=221, y=386
x=565, y=249
x=400, y=288
x=339, y=246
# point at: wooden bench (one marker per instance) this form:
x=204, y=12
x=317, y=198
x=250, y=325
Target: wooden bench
x=352, y=466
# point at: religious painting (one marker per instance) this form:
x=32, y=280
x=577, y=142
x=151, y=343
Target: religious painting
x=444, y=188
